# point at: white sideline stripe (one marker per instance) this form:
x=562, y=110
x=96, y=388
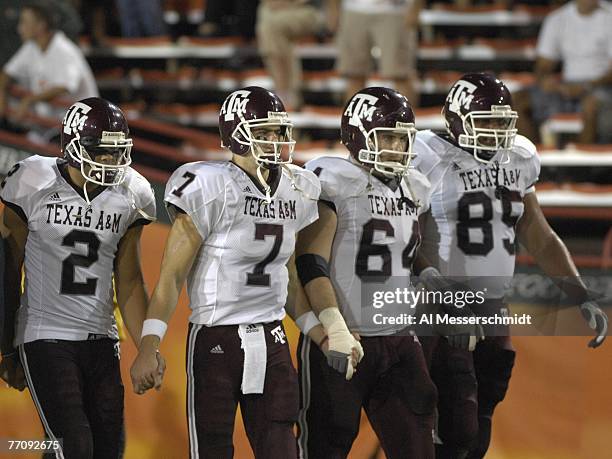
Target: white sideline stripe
x=191, y=414
x=305, y=358
x=24, y=363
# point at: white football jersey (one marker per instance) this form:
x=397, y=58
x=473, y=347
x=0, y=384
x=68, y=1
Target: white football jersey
x=376, y=238
x=71, y=247
x=471, y=231
x=239, y=275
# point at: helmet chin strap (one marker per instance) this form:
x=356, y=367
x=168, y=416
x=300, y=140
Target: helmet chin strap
x=87, y=200
x=264, y=183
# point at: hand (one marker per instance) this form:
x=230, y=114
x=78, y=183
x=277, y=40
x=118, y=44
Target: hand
x=23, y=109
x=341, y=343
x=549, y=83
x=434, y=281
x=354, y=359
x=147, y=370
x=462, y=336
x=466, y=341
x=411, y=20
x=572, y=90
x=12, y=373
x=597, y=320
x=161, y=370
x=2, y=106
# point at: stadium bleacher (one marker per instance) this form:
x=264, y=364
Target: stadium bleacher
x=171, y=90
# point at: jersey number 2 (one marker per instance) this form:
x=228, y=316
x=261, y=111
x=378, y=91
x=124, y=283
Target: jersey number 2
x=258, y=277
x=69, y=285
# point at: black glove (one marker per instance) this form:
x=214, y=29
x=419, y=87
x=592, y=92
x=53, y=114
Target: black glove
x=460, y=336
x=597, y=320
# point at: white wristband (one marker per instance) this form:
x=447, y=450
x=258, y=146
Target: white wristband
x=307, y=322
x=154, y=327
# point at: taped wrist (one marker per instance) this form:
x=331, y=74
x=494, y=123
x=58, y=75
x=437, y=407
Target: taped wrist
x=340, y=338
x=310, y=266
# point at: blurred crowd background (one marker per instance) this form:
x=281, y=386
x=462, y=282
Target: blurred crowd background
x=170, y=63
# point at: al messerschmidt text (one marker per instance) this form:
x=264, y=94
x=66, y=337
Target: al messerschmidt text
x=448, y=319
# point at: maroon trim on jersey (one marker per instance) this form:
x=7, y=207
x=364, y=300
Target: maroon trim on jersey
x=329, y=204
x=391, y=182
x=273, y=179
x=139, y=222
x=17, y=209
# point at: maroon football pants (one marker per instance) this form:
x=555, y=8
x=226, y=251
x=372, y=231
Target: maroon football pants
x=214, y=376
x=470, y=386
x=77, y=390
x=392, y=385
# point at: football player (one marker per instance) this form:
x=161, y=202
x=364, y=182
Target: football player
x=233, y=233
x=483, y=201
x=75, y=224
x=366, y=236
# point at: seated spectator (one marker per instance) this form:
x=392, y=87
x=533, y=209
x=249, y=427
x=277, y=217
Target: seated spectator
x=390, y=25
x=279, y=24
x=141, y=18
x=48, y=64
x=579, y=36
x=68, y=21
x=229, y=18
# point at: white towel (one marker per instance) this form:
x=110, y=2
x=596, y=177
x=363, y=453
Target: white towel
x=253, y=341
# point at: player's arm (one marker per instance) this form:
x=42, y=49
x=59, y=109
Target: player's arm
x=43, y=96
x=299, y=309
x=132, y=296
x=544, y=72
x=551, y=254
x=14, y=235
x=420, y=261
x=462, y=336
x=182, y=246
x=313, y=251
x=4, y=82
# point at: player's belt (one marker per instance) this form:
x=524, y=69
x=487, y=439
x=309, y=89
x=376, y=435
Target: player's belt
x=96, y=336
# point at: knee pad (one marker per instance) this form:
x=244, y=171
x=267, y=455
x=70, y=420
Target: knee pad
x=282, y=400
x=420, y=392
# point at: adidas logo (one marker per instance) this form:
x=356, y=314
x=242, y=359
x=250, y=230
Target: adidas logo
x=55, y=197
x=456, y=167
x=217, y=350
x=247, y=189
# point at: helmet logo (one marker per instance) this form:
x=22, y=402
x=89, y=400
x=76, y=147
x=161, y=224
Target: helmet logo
x=75, y=118
x=362, y=106
x=235, y=104
x=461, y=94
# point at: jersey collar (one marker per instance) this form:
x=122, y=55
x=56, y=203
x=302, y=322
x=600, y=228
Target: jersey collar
x=274, y=179
x=62, y=167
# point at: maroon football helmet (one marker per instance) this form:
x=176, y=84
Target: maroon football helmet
x=249, y=112
x=92, y=128
x=378, y=130
x=479, y=116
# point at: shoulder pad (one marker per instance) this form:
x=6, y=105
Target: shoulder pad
x=141, y=192
x=524, y=147
x=305, y=180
